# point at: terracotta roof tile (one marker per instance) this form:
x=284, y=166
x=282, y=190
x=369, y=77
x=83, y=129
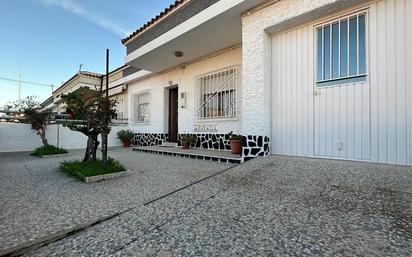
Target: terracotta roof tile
x=165, y=12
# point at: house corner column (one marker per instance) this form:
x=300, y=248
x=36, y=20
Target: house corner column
x=256, y=89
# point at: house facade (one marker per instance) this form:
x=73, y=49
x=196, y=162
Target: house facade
x=88, y=84
x=326, y=78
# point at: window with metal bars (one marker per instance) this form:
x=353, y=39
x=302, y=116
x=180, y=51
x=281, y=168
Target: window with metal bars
x=141, y=104
x=341, y=50
x=217, y=94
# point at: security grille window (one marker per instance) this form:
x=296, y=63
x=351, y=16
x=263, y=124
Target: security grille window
x=217, y=94
x=141, y=104
x=341, y=51
x=119, y=109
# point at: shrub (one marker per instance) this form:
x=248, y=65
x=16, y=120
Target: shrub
x=49, y=150
x=90, y=168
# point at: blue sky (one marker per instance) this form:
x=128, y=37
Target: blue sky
x=47, y=40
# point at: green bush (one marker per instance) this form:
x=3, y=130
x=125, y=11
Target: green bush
x=49, y=150
x=90, y=168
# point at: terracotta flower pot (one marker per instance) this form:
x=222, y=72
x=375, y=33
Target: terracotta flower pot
x=236, y=146
x=126, y=143
x=185, y=145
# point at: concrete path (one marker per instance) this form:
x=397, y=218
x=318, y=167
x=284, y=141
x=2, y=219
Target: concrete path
x=274, y=206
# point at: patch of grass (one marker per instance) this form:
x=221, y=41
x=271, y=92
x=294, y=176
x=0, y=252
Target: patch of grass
x=49, y=150
x=81, y=169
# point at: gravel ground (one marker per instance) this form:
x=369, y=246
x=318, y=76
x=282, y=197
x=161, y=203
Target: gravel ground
x=38, y=202
x=273, y=206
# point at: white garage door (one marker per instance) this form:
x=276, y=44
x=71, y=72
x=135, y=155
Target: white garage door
x=321, y=93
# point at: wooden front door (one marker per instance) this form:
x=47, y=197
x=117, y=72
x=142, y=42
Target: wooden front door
x=173, y=114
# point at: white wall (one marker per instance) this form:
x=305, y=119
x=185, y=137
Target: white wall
x=185, y=78
x=20, y=137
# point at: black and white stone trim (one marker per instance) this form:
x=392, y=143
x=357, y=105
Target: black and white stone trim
x=149, y=139
x=253, y=145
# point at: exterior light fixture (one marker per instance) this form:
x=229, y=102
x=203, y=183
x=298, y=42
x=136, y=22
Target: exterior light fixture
x=178, y=53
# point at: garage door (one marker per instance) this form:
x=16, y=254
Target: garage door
x=312, y=114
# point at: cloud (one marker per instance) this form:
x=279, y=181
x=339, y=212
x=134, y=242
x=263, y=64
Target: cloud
x=74, y=8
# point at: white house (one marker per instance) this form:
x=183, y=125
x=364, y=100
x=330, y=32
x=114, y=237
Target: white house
x=325, y=78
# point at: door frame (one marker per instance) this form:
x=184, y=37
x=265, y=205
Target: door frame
x=173, y=119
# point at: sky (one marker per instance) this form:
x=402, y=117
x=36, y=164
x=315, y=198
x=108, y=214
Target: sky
x=46, y=40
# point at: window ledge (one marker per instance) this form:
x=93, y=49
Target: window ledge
x=218, y=119
x=341, y=81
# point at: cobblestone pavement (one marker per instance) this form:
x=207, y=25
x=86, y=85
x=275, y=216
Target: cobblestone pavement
x=274, y=206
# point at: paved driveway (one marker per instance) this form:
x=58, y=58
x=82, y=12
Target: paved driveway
x=274, y=206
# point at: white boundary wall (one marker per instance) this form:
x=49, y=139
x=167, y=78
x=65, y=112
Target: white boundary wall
x=16, y=137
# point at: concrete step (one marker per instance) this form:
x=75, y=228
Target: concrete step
x=169, y=144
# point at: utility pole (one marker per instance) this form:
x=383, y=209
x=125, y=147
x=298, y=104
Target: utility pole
x=107, y=72
x=20, y=85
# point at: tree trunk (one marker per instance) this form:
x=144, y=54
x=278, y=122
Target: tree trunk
x=104, y=147
x=42, y=133
x=95, y=146
x=87, y=153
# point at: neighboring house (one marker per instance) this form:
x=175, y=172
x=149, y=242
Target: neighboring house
x=48, y=104
x=325, y=78
x=83, y=82
x=88, y=84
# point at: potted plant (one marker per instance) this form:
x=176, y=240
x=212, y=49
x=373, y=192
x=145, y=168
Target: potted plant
x=125, y=136
x=187, y=140
x=235, y=143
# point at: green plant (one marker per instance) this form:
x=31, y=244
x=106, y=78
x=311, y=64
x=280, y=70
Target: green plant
x=49, y=150
x=90, y=168
x=188, y=138
x=125, y=135
x=233, y=136
x=37, y=118
x=92, y=118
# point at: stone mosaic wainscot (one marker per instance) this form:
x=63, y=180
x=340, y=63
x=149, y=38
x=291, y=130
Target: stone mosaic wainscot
x=253, y=146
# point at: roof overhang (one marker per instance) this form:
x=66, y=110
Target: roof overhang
x=85, y=90
x=216, y=28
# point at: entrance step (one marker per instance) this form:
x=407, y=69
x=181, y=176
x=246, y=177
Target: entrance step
x=193, y=153
x=169, y=144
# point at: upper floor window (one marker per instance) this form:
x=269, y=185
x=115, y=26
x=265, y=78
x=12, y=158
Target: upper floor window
x=217, y=94
x=140, y=103
x=341, y=50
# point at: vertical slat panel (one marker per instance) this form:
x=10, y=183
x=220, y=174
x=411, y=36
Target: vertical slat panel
x=284, y=94
x=358, y=116
x=408, y=77
x=289, y=89
x=336, y=122
x=328, y=135
x=305, y=87
x=349, y=122
x=365, y=121
x=373, y=78
x=343, y=122
x=310, y=87
x=391, y=81
x=292, y=95
x=381, y=83
x=401, y=86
